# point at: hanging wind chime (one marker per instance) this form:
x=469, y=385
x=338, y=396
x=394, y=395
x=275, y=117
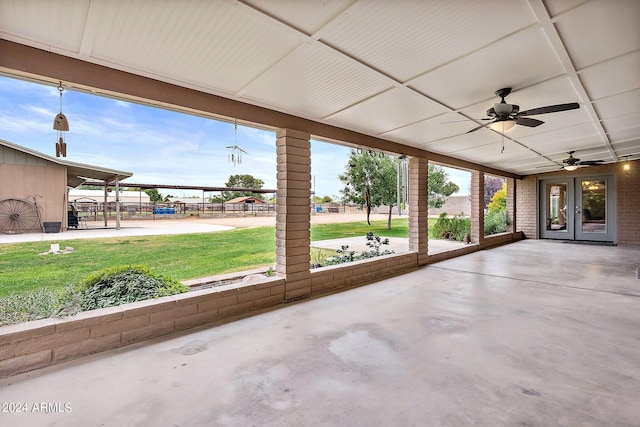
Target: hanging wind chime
x=235, y=156
x=403, y=182
x=60, y=125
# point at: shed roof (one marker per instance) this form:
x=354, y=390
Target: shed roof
x=77, y=173
x=245, y=199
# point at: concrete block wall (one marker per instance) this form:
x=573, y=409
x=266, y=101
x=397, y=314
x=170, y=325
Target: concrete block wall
x=628, y=203
x=419, y=208
x=477, y=207
x=511, y=206
x=31, y=345
x=526, y=207
x=293, y=216
x=344, y=276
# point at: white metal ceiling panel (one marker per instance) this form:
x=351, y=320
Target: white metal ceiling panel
x=520, y=60
x=493, y=153
x=58, y=26
x=612, y=77
x=586, y=132
x=462, y=142
x=404, y=42
x=618, y=105
x=627, y=121
x=196, y=42
x=598, y=30
x=627, y=148
x=388, y=111
x=436, y=128
x=306, y=16
x=556, y=7
x=315, y=82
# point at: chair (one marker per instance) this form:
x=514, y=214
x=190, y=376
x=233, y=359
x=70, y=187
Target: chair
x=72, y=219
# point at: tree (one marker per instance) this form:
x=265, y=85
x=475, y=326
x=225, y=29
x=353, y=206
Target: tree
x=242, y=181
x=154, y=195
x=499, y=199
x=370, y=180
x=439, y=186
x=491, y=185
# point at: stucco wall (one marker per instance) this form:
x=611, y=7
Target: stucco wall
x=47, y=182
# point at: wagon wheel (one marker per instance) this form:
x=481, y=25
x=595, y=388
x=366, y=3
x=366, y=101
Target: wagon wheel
x=18, y=216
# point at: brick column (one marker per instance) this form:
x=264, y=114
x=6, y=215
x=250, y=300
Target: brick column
x=477, y=207
x=419, y=208
x=293, y=217
x=511, y=205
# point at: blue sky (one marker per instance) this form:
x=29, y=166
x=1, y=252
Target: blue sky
x=159, y=146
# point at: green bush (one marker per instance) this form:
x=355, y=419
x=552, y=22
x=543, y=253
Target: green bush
x=495, y=222
x=124, y=284
x=451, y=228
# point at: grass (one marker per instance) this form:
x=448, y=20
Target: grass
x=181, y=257
x=399, y=228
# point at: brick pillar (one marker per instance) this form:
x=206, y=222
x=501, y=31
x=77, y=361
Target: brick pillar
x=419, y=208
x=293, y=217
x=511, y=205
x=477, y=207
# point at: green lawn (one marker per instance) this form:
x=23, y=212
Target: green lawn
x=182, y=257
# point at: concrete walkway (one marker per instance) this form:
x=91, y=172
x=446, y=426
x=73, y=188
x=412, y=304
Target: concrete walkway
x=535, y=333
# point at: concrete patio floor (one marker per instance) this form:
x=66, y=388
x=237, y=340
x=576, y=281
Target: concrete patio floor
x=535, y=333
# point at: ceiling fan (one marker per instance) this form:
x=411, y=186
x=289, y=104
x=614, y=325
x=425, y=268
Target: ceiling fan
x=571, y=163
x=505, y=116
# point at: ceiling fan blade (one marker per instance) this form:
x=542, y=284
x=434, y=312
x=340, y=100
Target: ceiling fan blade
x=475, y=129
x=591, y=162
x=465, y=120
x=526, y=121
x=550, y=109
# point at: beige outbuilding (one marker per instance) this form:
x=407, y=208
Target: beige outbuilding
x=42, y=182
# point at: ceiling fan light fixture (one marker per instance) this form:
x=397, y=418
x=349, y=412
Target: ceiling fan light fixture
x=502, y=125
x=570, y=168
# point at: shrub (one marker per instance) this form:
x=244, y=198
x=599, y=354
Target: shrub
x=122, y=285
x=495, y=222
x=451, y=228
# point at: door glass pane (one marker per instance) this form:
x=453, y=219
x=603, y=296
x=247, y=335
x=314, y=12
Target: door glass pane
x=556, y=215
x=594, y=206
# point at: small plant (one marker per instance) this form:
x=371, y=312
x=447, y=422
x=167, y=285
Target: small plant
x=344, y=255
x=374, y=242
x=270, y=272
